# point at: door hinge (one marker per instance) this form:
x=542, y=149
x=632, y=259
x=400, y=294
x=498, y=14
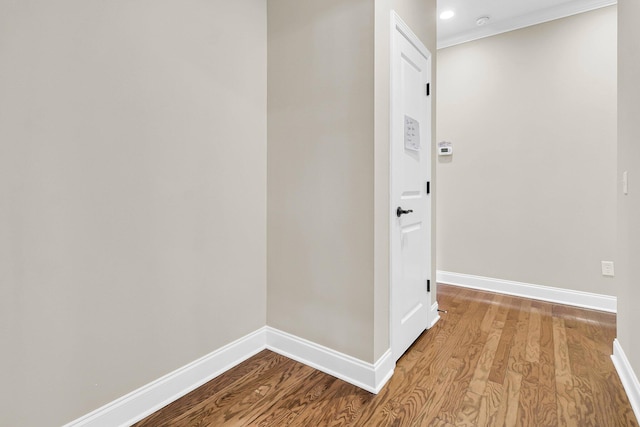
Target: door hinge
x=428, y=187
x=428, y=89
x=428, y=285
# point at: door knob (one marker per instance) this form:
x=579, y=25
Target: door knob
x=401, y=211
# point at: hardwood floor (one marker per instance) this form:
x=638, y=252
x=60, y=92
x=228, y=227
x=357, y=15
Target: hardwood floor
x=492, y=360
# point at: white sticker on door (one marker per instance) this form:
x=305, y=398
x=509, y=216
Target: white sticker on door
x=411, y=134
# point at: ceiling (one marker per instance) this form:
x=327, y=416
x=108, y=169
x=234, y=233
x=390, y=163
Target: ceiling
x=504, y=15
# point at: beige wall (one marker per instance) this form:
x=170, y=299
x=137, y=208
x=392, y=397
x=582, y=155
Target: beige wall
x=132, y=174
x=320, y=172
x=628, y=268
x=133, y=159
x=529, y=193
x=328, y=155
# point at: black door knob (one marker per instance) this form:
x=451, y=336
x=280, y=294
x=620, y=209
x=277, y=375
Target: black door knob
x=401, y=211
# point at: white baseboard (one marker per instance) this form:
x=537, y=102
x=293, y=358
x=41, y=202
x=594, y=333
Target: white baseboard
x=628, y=378
x=144, y=401
x=528, y=290
x=370, y=377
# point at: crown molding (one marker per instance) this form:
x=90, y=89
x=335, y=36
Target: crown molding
x=538, y=17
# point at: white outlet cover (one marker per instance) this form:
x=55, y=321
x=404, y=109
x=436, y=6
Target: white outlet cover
x=607, y=268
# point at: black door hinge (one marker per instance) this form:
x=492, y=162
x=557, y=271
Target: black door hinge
x=428, y=89
x=428, y=187
x=428, y=285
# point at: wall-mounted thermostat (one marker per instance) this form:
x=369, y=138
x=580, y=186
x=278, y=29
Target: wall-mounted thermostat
x=445, y=148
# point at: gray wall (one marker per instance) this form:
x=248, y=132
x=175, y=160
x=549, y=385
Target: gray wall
x=529, y=193
x=628, y=267
x=133, y=211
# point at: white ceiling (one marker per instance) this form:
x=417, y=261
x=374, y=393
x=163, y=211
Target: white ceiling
x=505, y=15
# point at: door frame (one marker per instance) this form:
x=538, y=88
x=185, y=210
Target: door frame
x=400, y=28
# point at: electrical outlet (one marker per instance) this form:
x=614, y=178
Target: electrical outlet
x=607, y=268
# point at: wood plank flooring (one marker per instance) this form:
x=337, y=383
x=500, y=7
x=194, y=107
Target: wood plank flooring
x=492, y=360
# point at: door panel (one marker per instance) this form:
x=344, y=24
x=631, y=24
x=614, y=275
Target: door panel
x=410, y=171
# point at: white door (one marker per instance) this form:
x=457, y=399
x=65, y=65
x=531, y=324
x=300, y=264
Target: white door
x=410, y=199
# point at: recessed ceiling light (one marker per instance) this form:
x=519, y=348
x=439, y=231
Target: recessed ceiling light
x=482, y=20
x=447, y=14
